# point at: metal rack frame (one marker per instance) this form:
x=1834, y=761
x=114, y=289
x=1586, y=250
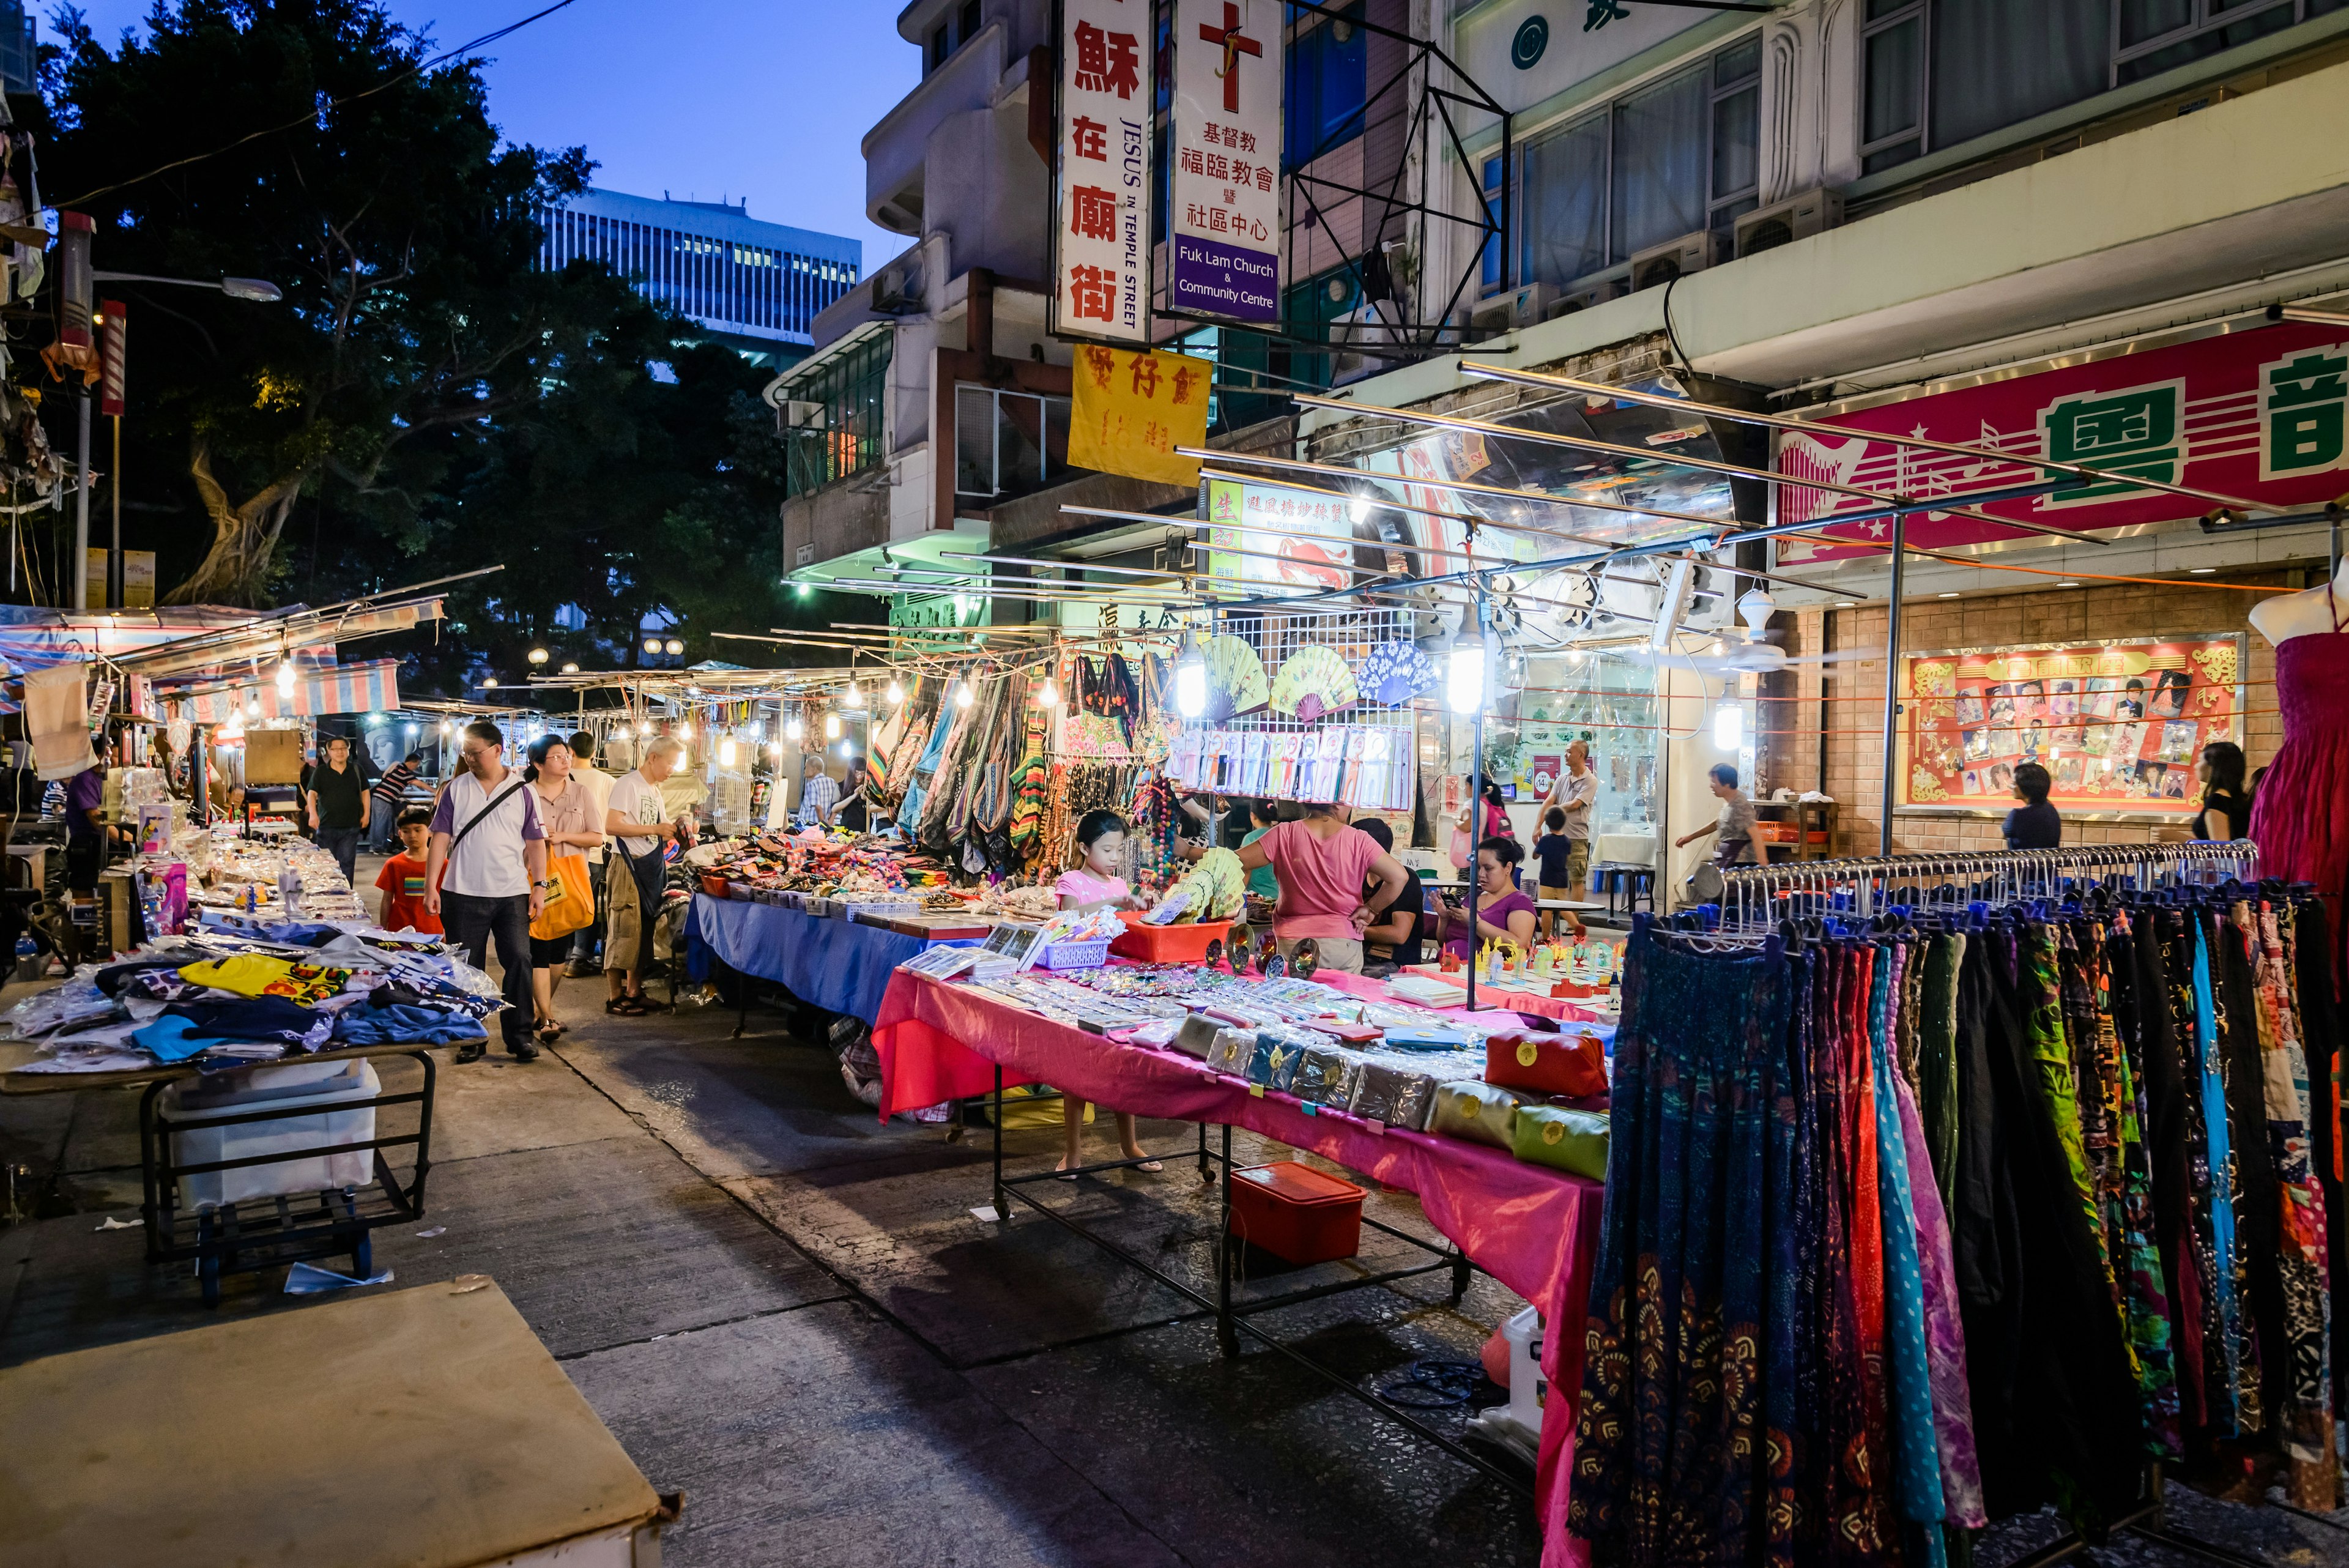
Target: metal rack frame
x=1751, y=895
x=1231, y=1319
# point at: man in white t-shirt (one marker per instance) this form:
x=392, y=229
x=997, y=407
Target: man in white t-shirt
x=598, y=783
x=484, y=874
x=637, y=871
x=1575, y=792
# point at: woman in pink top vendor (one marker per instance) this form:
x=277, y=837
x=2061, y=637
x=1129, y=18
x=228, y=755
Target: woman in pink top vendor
x=1094, y=884
x=1324, y=864
x=1502, y=911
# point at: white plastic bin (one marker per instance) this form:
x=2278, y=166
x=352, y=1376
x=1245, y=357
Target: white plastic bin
x=1528, y=1387
x=304, y=1084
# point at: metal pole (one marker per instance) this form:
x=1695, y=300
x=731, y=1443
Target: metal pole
x=1892, y=675
x=117, y=585
x=1476, y=786
x=81, y=505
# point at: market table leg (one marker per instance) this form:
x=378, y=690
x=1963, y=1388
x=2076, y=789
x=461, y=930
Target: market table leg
x=1227, y=1334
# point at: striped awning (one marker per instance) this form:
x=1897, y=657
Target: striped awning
x=369, y=688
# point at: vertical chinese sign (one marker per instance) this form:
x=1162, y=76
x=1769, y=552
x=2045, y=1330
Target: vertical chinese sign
x=1128, y=412
x=1223, y=206
x=1101, y=250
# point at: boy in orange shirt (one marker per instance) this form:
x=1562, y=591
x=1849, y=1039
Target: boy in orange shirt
x=402, y=878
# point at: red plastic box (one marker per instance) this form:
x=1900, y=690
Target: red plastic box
x=1167, y=944
x=1296, y=1212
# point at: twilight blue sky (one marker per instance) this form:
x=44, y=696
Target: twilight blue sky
x=763, y=98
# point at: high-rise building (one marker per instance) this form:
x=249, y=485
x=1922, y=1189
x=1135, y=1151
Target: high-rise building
x=754, y=286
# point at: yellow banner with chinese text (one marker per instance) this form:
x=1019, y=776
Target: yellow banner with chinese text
x=1128, y=412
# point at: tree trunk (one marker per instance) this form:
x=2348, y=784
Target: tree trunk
x=235, y=570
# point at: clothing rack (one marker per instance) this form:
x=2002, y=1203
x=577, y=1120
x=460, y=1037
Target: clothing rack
x=1758, y=897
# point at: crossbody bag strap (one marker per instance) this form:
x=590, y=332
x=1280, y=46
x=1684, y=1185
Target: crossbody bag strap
x=475, y=820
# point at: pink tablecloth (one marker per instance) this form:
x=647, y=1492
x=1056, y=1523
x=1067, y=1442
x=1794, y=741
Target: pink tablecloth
x=1535, y=1230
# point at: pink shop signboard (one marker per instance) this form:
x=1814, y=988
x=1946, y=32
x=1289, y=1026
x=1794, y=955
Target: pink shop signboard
x=2258, y=415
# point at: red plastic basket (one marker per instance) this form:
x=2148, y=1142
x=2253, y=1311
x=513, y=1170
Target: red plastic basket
x=1167, y=944
x=1296, y=1212
x=714, y=885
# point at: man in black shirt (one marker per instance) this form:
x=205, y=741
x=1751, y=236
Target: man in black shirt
x=338, y=806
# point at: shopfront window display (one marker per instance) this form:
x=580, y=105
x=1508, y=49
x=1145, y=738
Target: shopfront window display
x=2119, y=726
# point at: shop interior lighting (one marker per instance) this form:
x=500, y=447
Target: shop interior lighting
x=1191, y=680
x=1464, y=680
x=896, y=693
x=831, y=726
x=1728, y=726
x=2201, y=571
x=2067, y=585
x=794, y=729
x=1848, y=604
x=847, y=748
x=1950, y=596
x=538, y=656
x=774, y=747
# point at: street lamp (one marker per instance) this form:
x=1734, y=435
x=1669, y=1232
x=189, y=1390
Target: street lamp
x=259, y=290
x=538, y=656
x=673, y=647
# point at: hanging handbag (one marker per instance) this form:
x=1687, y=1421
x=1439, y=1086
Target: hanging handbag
x=570, y=902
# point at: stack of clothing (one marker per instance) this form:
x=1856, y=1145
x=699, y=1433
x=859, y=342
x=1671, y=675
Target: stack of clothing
x=228, y=999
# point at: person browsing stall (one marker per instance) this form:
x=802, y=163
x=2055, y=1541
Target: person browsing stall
x=818, y=793
x=563, y=810
x=1503, y=912
x=1323, y=864
x=1575, y=792
x=2034, y=825
x=401, y=880
x=638, y=873
x=482, y=875
x=1735, y=844
x=337, y=798
x=1094, y=883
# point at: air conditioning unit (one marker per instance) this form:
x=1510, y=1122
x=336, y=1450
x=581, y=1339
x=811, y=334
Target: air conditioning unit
x=1798, y=217
x=897, y=289
x=1659, y=264
x=801, y=414
x=1584, y=298
x=1355, y=337
x=1500, y=313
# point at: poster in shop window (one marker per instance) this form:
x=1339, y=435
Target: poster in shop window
x=2119, y=726
x=1100, y=244
x=2260, y=416
x=1224, y=205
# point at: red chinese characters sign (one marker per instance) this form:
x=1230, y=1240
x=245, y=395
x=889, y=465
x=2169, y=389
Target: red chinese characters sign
x=1101, y=238
x=2118, y=726
x=2258, y=415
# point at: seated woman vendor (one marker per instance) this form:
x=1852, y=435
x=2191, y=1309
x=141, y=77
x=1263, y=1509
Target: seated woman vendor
x=1094, y=884
x=1502, y=911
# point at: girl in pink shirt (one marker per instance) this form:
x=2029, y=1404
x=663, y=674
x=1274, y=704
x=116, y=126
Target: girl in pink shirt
x=1094, y=884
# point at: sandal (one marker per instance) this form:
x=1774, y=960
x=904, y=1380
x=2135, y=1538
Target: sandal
x=626, y=1007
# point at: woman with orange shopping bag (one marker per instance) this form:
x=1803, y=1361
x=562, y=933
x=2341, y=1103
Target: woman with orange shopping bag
x=563, y=810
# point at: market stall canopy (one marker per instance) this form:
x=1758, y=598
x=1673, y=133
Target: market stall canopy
x=276, y=635
x=369, y=688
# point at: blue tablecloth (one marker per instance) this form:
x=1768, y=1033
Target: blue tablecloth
x=839, y=965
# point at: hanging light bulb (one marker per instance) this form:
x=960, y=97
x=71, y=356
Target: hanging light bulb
x=963, y=695
x=1191, y=681
x=447, y=729
x=1049, y=694
x=1464, y=680
x=831, y=726
x=1361, y=510
x=285, y=677
x=685, y=731
x=1728, y=725
x=774, y=747
x=726, y=752
x=794, y=729
x=847, y=748
x=854, y=696
x=896, y=693
x=253, y=704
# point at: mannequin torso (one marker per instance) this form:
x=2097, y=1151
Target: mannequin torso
x=2324, y=607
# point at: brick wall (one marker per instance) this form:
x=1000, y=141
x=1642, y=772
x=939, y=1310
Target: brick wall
x=1848, y=748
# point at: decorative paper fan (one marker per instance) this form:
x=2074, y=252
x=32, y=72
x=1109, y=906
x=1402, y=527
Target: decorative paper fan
x=1313, y=682
x=1236, y=682
x=1396, y=672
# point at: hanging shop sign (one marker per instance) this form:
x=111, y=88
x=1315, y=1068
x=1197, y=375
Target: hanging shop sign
x=2119, y=726
x=2257, y=414
x=1128, y=412
x=1282, y=538
x=1101, y=238
x=1223, y=207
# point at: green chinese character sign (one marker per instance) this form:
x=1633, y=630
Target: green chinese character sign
x=2301, y=400
x=2137, y=429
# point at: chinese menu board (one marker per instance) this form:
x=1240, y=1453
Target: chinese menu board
x=1101, y=235
x=1225, y=206
x=1270, y=535
x=2117, y=726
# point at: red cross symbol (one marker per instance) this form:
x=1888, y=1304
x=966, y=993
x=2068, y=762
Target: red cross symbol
x=1235, y=44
